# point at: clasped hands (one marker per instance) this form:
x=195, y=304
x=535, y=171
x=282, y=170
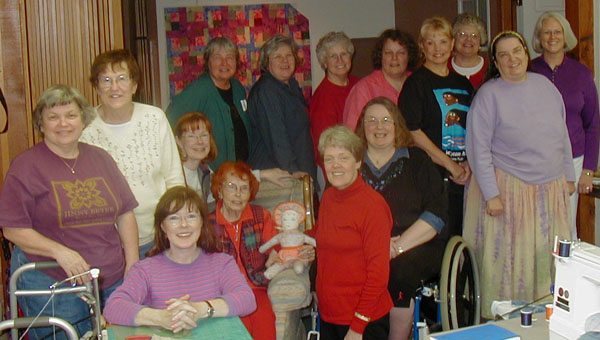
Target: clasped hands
x=179, y=314
x=459, y=172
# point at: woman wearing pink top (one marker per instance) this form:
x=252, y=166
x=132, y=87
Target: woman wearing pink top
x=394, y=57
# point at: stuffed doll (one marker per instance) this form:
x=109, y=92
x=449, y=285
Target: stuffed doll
x=288, y=216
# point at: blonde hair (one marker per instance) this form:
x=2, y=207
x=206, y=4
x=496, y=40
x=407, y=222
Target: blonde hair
x=438, y=24
x=342, y=137
x=570, y=39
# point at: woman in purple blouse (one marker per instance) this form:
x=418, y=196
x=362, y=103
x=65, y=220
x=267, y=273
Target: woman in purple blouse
x=552, y=38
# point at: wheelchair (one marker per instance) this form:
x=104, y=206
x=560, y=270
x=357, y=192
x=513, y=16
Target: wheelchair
x=456, y=294
x=88, y=293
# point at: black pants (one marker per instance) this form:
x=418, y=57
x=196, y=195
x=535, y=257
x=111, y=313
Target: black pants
x=376, y=330
x=455, y=194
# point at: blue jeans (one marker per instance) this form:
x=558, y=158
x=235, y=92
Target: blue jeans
x=66, y=306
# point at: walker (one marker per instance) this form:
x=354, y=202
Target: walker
x=88, y=293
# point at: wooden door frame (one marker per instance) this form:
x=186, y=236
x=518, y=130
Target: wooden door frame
x=580, y=14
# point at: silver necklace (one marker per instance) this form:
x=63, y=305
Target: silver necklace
x=72, y=168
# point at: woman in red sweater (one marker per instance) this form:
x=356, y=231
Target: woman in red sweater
x=353, y=231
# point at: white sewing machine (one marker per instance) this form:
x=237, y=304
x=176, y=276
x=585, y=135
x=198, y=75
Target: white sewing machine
x=576, y=292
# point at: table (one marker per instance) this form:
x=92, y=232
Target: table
x=538, y=331
x=215, y=328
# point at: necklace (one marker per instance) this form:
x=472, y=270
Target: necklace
x=382, y=159
x=72, y=168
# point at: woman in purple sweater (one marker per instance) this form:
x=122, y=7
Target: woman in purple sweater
x=184, y=278
x=552, y=38
x=518, y=200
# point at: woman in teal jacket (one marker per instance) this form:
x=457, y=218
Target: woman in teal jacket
x=222, y=98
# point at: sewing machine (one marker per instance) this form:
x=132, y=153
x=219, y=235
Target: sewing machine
x=576, y=292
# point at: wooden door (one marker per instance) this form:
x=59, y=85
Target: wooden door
x=580, y=16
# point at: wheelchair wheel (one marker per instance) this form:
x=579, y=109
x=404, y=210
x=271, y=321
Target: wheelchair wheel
x=459, y=286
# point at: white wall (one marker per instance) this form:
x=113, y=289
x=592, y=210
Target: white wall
x=358, y=18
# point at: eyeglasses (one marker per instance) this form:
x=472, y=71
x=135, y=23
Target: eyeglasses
x=338, y=56
x=551, y=33
x=175, y=220
x=465, y=35
x=200, y=136
x=280, y=58
x=234, y=188
x=121, y=80
x=373, y=121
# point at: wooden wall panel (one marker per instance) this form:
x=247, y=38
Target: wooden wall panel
x=19, y=135
x=64, y=36
x=44, y=42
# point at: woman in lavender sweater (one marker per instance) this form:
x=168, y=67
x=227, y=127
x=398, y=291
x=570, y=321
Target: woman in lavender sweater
x=518, y=199
x=184, y=278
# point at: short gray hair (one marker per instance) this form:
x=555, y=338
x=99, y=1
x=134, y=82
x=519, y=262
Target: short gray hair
x=272, y=45
x=470, y=19
x=328, y=41
x=58, y=95
x=341, y=136
x=570, y=39
x=217, y=44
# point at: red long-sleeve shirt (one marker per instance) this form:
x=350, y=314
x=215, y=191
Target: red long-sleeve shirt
x=353, y=237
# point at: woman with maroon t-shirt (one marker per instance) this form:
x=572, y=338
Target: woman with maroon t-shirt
x=61, y=201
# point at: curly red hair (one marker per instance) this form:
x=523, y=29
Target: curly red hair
x=238, y=169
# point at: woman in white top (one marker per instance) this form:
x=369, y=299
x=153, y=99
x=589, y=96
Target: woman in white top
x=137, y=136
x=469, y=36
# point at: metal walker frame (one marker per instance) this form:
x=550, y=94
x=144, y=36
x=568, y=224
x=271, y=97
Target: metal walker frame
x=89, y=293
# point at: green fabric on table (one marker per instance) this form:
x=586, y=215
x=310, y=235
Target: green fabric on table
x=216, y=328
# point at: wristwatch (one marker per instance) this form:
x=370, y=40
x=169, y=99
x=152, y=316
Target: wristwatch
x=210, y=311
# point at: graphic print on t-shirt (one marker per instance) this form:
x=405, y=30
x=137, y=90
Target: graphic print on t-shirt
x=454, y=107
x=84, y=203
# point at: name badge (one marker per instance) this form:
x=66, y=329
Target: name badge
x=244, y=104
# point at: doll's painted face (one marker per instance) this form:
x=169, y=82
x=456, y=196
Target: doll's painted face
x=289, y=220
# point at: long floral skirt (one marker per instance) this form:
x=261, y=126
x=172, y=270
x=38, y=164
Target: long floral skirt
x=513, y=250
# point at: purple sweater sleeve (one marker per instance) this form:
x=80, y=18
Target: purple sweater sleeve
x=235, y=289
x=591, y=124
x=480, y=129
x=125, y=302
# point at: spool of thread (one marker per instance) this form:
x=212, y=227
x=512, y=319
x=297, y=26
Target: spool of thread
x=526, y=317
x=549, y=310
x=564, y=248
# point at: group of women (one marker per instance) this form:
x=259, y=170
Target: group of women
x=396, y=148
x=513, y=134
